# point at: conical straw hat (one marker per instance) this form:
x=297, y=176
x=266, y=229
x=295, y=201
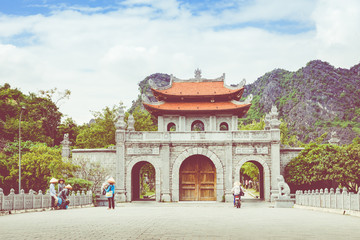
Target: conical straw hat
x=53, y=180
x=68, y=186
x=236, y=183
x=111, y=180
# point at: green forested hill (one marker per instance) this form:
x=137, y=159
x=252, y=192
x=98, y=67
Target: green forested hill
x=315, y=99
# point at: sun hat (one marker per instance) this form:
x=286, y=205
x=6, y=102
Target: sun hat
x=111, y=180
x=68, y=186
x=61, y=179
x=53, y=180
x=236, y=183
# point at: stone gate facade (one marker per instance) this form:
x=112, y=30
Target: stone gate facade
x=167, y=150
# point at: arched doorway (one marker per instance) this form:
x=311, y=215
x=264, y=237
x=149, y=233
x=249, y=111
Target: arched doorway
x=197, y=179
x=143, y=182
x=252, y=178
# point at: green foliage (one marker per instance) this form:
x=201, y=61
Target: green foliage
x=251, y=170
x=38, y=165
x=143, y=120
x=79, y=184
x=254, y=125
x=101, y=133
x=325, y=166
x=39, y=116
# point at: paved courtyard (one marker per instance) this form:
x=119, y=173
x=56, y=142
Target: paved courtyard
x=150, y=220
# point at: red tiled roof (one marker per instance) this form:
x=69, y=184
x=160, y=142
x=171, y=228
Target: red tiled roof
x=197, y=89
x=171, y=107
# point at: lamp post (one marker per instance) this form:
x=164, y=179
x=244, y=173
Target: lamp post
x=21, y=110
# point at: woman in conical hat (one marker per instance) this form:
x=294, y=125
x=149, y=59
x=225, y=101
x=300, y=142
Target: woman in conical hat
x=236, y=184
x=111, y=180
x=110, y=193
x=53, y=191
x=68, y=187
x=53, y=180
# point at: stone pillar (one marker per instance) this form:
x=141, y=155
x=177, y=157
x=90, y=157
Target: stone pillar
x=165, y=173
x=182, y=124
x=275, y=151
x=65, y=146
x=234, y=123
x=228, y=173
x=120, y=158
x=334, y=139
x=212, y=123
x=161, y=127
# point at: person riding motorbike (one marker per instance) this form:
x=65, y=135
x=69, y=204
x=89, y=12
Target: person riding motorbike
x=236, y=190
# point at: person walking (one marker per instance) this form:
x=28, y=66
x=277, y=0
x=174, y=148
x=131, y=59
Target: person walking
x=53, y=196
x=236, y=190
x=110, y=193
x=61, y=185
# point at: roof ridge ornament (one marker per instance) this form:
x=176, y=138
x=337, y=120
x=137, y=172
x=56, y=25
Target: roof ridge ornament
x=197, y=74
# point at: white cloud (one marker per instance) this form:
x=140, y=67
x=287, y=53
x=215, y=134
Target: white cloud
x=101, y=57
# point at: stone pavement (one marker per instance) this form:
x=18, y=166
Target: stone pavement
x=151, y=220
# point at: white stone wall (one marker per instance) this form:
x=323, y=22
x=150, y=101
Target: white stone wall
x=106, y=157
x=286, y=155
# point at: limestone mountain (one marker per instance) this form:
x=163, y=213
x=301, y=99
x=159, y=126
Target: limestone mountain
x=315, y=99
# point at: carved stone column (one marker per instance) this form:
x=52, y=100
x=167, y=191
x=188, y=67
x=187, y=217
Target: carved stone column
x=228, y=173
x=120, y=158
x=275, y=150
x=165, y=173
x=65, y=146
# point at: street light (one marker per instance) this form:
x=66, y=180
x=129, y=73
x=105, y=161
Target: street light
x=21, y=110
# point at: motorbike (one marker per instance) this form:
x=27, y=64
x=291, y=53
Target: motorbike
x=237, y=201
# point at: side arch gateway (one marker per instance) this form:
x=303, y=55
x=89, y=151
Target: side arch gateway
x=129, y=180
x=266, y=172
x=203, y=152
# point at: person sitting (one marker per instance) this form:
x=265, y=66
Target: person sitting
x=61, y=185
x=63, y=196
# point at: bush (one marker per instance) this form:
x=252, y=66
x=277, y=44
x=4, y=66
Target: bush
x=79, y=184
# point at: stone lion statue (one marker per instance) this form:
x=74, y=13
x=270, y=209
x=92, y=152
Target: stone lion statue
x=284, y=189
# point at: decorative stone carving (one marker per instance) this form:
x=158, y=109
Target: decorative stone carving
x=65, y=146
x=267, y=121
x=120, y=123
x=284, y=189
x=334, y=138
x=143, y=151
x=197, y=73
x=131, y=123
x=274, y=122
x=249, y=99
x=252, y=150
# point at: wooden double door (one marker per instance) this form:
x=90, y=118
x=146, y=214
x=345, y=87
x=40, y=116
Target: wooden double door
x=197, y=179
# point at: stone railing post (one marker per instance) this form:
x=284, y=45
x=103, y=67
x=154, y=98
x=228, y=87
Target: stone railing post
x=46, y=200
x=337, y=195
x=321, y=196
x=82, y=199
x=40, y=194
x=78, y=198
x=12, y=198
x=343, y=198
x=358, y=200
x=72, y=198
x=332, y=194
x=1, y=199
x=90, y=197
x=326, y=196
x=317, y=198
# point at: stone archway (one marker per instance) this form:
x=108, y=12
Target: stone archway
x=197, y=151
x=129, y=172
x=266, y=173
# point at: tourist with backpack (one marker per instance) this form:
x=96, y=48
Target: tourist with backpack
x=110, y=193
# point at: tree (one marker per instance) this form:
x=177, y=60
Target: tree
x=143, y=120
x=92, y=172
x=325, y=166
x=101, y=133
x=38, y=166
